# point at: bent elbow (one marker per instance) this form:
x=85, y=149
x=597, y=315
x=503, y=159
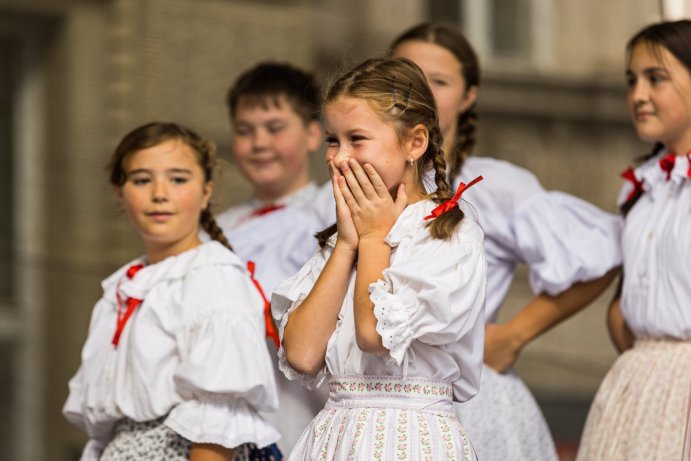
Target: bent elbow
x=372, y=343
x=303, y=363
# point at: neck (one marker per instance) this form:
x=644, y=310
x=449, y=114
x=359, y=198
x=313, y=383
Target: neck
x=268, y=195
x=157, y=252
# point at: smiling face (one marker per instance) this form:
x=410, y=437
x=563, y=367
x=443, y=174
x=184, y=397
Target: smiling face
x=355, y=130
x=444, y=74
x=164, y=194
x=659, y=97
x=271, y=144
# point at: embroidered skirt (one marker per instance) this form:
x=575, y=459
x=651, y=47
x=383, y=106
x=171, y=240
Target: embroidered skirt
x=642, y=410
x=385, y=418
x=154, y=441
x=504, y=421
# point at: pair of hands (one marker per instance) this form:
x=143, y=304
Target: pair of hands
x=364, y=207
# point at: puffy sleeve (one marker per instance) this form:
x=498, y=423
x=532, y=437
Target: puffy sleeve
x=565, y=240
x=285, y=299
x=436, y=296
x=225, y=375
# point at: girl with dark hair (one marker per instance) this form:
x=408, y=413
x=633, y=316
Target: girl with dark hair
x=390, y=310
x=569, y=246
x=164, y=373
x=642, y=410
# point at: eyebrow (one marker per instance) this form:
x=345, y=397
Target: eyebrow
x=148, y=171
x=649, y=70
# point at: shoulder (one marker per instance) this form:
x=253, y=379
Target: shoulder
x=501, y=175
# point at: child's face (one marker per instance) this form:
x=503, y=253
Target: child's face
x=164, y=194
x=659, y=97
x=444, y=74
x=271, y=145
x=354, y=130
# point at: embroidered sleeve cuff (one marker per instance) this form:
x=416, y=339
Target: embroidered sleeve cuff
x=393, y=320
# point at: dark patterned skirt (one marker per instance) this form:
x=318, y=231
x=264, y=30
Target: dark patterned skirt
x=154, y=441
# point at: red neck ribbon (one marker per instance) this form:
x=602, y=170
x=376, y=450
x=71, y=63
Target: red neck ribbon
x=688, y=157
x=132, y=304
x=266, y=210
x=453, y=202
x=667, y=164
x=630, y=176
x=271, y=331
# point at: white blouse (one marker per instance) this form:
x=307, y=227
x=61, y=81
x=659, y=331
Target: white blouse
x=278, y=242
x=562, y=239
x=429, y=308
x=184, y=353
x=656, y=295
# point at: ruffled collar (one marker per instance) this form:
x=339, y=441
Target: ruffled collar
x=174, y=267
x=661, y=172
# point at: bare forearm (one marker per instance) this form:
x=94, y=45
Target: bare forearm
x=370, y=269
x=311, y=325
x=546, y=311
x=210, y=452
x=619, y=331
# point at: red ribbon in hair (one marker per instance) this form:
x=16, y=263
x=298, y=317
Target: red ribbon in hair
x=132, y=304
x=630, y=176
x=453, y=202
x=271, y=331
x=667, y=164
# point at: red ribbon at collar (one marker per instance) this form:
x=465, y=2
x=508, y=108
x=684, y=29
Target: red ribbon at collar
x=266, y=210
x=453, y=202
x=688, y=157
x=271, y=331
x=132, y=304
x=667, y=164
x=630, y=175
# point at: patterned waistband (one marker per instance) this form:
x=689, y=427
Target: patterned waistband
x=389, y=391
x=643, y=344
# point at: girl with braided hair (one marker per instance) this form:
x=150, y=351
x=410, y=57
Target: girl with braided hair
x=390, y=309
x=164, y=372
x=570, y=247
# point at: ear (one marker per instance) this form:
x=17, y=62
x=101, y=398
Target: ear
x=469, y=99
x=207, y=191
x=314, y=135
x=416, y=143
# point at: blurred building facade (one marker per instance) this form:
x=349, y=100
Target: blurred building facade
x=76, y=75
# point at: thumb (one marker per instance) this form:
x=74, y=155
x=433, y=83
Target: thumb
x=401, y=199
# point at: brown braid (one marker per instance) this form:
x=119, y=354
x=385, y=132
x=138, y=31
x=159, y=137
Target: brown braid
x=465, y=142
x=208, y=223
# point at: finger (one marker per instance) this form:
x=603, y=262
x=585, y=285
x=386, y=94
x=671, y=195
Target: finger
x=351, y=180
x=363, y=179
x=338, y=196
x=377, y=182
x=346, y=193
x=401, y=199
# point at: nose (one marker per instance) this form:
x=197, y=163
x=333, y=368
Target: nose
x=338, y=155
x=159, y=191
x=639, y=92
x=260, y=140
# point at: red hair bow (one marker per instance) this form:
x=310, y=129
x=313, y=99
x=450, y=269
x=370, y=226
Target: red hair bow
x=453, y=202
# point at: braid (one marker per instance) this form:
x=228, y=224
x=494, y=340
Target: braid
x=465, y=141
x=324, y=235
x=209, y=224
x=442, y=227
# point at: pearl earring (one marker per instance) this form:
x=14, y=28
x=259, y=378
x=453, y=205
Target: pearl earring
x=411, y=161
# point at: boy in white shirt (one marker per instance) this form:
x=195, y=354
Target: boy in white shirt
x=274, y=114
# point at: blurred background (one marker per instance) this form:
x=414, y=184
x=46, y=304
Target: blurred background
x=76, y=75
